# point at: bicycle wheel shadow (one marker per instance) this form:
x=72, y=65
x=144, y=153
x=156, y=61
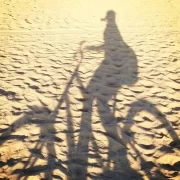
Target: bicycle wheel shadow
x=39, y=155
x=145, y=137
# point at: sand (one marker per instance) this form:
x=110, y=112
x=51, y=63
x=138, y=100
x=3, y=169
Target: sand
x=89, y=90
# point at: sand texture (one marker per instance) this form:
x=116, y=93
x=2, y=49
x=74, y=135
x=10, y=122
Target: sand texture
x=89, y=90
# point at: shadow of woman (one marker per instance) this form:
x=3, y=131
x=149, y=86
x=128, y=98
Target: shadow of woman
x=118, y=68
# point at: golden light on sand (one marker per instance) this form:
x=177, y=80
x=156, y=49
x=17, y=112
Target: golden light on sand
x=89, y=89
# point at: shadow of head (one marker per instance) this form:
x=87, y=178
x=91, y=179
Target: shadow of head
x=110, y=16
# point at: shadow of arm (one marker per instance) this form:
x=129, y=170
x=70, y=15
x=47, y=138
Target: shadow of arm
x=95, y=48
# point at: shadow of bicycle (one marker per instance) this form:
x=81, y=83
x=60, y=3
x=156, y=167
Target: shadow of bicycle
x=112, y=151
